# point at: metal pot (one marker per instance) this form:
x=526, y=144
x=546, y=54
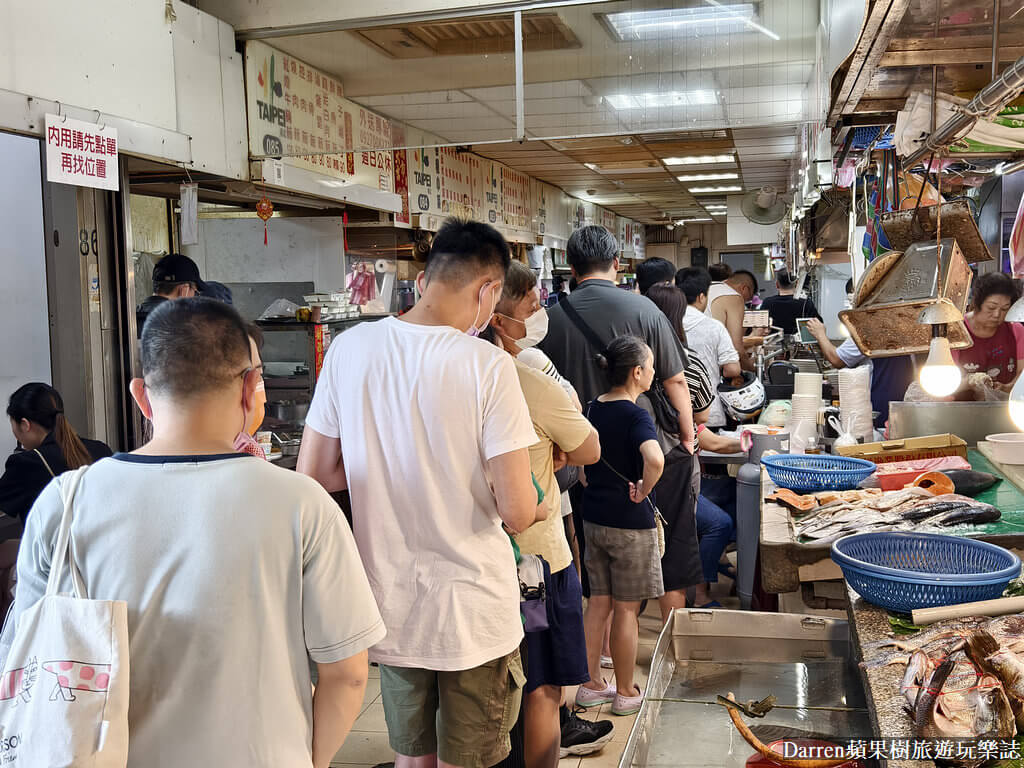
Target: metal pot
x=288, y=411
x=288, y=447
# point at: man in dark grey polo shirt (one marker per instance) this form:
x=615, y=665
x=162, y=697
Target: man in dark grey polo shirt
x=610, y=311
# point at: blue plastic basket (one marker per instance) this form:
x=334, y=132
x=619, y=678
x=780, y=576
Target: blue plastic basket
x=810, y=473
x=903, y=571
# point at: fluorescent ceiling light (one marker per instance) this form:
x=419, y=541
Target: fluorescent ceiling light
x=655, y=99
x=691, y=221
x=640, y=25
x=591, y=166
x=708, y=176
x=733, y=13
x=699, y=160
x=709, y=190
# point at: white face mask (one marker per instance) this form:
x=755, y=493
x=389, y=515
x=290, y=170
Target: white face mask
x=536, y=329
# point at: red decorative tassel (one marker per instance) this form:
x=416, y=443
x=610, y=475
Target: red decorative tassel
x=265, y=240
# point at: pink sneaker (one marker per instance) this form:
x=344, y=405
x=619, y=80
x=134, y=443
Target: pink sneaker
x=627, y=705
x=586, y=698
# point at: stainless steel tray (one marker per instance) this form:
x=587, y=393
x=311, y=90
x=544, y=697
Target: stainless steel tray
x=803, y=660
x=971, y=422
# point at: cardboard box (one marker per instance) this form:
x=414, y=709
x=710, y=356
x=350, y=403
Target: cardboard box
x=929, y=447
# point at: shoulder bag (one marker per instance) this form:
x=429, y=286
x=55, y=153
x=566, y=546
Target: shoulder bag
x=64, y=687
x=665, y=414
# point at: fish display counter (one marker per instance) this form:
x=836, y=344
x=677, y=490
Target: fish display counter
x=794, y=674
x=906, y=700
x=795, y=545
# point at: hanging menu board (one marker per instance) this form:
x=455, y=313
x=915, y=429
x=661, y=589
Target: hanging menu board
x=298, y=112
x=374, y=166
x=515, y=199
x=490, y=176
x=424, y=170
x=540, y=199
x=403, y=219
x=456, y=183
x=607, y=220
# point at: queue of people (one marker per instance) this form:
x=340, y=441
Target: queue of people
x=441, y=521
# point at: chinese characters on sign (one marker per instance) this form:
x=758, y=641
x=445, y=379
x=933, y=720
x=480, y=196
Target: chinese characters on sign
x=299, y=113
x=80, y=153
x=969, y=751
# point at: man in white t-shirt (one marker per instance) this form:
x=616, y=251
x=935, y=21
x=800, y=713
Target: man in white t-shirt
x=233, y=569
x=428, y=429
x=707, y=337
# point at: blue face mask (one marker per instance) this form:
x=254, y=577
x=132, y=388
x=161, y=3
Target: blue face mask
x=474, y=329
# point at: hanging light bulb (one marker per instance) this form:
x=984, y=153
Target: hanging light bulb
x=940, y=375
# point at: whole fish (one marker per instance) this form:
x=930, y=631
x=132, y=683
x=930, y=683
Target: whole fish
x=897, y=650
x=975, y=515
x=993, y=715
x=890, y=500
x=924, y=511
x=918, y=668
x=924, y=707
x=986, y=652
x=970, y=482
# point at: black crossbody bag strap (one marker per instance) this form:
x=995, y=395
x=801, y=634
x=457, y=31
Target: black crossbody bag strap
x=665, y=414
x=595, y=340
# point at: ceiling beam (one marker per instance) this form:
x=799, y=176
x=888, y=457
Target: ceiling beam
x=950, y=55
x=879, y=28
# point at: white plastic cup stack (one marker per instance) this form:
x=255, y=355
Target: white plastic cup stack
x=807, y=384
x=803, y=423
x=855, y=400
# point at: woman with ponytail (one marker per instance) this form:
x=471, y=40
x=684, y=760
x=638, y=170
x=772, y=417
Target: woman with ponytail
x=47, y=446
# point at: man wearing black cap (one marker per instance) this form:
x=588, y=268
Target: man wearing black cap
x=175, y=276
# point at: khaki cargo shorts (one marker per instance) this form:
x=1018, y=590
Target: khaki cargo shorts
x=464, y=717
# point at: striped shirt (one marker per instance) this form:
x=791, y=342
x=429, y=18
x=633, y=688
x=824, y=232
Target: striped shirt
x=702, y=391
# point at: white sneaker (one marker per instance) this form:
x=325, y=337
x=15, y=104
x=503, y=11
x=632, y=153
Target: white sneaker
x=587, y=697
x=627, y=705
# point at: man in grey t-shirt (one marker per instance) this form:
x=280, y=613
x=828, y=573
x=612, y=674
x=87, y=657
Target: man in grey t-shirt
x=593, y=254
x=235, y=572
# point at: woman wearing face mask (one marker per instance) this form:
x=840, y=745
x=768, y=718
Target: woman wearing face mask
x=48, y=446
x=245, y=441
x=622, y=555
x=555, y=657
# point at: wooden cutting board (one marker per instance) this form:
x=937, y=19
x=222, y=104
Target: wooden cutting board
x=1012, y=472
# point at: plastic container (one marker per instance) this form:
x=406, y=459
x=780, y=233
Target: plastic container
x=1007, y=447
x=807, y=474
x=904, y=571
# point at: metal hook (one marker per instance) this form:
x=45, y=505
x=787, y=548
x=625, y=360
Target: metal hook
x=187, y=174
x=65, y=117
x=98, y=116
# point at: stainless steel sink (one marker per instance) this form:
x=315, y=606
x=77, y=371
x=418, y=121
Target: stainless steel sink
x=804, y=661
